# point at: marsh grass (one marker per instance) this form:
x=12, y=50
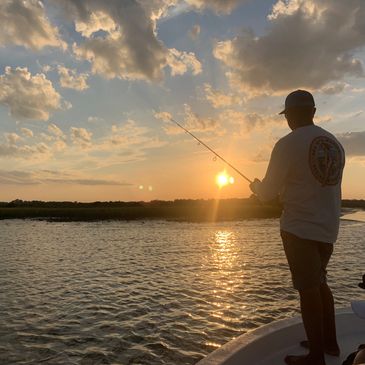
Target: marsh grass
x=184, y=210
x=179, y=210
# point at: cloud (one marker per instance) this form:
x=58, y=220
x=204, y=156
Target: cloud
x=262, y=156
x=52, y=177
x=220, y=100
x=71, y=80
x=81, y=137
x=356, y=114
x=26, y=132
x=323, y=119
x=253, y=120
x=127, y=142
x=192, y=122
x=194, y=32
x=309, y=44
x=90, y=182
x=195, y=123
x=180, y=62
x=220, y=6
x=110, y=58
x=164, y=116
x=46, y=137
x=335, y=88
x=169, y=128
x=16, y=178
x=120, y=39
x=97, y=21
x=24, y=23
x=55, y=131
x=353, y=143
x=129, y=50
x=130, y=135
x=56, y=139
x=12, y=138
x=38, y=151
x=93, y=119
x=27, y=96
x=66, y=105
x=45, y=68
x=247, y=122
x=59, y=145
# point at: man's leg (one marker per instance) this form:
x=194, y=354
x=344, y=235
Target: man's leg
x=307, y=266
x=312, y=315
x=329, y=323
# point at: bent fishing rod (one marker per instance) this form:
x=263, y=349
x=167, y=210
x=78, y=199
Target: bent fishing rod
x=210, y=149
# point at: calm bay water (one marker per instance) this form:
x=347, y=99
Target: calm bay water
x=148, y=292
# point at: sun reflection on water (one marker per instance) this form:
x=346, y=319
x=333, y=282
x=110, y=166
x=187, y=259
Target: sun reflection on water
x=224, y=250
x=225, y=272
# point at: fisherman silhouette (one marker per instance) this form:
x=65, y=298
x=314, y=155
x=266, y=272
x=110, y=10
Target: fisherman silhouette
x=305, y=170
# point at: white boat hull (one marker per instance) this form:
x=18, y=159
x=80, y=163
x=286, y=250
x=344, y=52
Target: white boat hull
x=268, y=345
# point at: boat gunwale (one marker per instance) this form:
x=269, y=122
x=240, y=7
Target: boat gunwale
x=226, y=351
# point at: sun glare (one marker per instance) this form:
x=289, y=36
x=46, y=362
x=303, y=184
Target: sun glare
x=223, y=179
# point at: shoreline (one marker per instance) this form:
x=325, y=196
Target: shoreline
x=183, y=214
x=177, y=210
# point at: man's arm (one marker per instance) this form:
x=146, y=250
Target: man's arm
x=276, y=174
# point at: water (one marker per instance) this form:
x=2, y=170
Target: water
x=148, y=292
x=355, y=216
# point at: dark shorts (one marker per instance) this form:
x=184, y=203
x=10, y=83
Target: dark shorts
x=307, y=260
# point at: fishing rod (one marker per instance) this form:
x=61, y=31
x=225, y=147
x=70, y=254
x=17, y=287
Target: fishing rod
x=210, y=149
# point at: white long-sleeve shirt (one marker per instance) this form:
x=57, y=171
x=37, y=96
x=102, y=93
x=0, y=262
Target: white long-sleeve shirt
x=305, y=169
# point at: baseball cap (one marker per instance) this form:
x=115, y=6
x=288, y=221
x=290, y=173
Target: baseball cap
x=298, y=98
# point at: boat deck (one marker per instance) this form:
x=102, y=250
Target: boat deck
x=268, y=345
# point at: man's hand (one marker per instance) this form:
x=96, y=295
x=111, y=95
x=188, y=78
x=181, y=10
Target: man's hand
x=254, y=185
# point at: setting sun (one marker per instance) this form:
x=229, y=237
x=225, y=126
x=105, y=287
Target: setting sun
x=223, y=179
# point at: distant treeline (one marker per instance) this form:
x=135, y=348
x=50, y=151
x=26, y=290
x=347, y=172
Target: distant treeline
x=353, y=203
x=180, y=209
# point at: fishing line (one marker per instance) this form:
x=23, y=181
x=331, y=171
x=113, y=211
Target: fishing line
x=210, y=149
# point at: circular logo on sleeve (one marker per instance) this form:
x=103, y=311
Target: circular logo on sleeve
x=326, y=160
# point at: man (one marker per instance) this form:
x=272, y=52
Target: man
x=305, y=170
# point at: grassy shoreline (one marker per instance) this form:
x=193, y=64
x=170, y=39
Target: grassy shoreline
x=180, y=210
x=177, y=210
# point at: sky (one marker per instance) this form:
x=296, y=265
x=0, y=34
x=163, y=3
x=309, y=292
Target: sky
x=87, y=89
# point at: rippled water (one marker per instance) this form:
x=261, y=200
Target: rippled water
x=148, y=293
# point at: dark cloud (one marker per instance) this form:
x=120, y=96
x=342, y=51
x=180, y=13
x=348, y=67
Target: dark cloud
x=310, y=44
x=129, y=48
x=24, y=23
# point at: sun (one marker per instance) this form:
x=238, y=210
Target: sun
x=223, y=179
